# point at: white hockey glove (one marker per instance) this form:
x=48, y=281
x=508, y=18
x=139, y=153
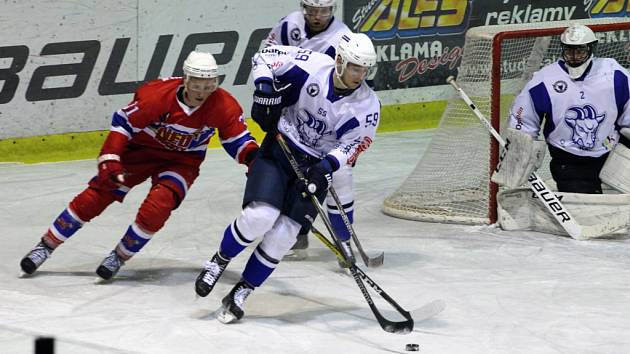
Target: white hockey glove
x=521, y=156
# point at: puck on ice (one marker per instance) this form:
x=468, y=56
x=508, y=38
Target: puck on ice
x=412, y=347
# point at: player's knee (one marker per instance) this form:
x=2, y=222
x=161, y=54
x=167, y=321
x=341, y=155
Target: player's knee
x=156, y=208
x=280, y=238
x=257, y=218
x=90, y=203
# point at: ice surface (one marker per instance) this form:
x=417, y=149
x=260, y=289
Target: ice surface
x=473, y=289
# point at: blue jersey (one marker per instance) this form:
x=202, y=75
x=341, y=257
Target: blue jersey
x=317, y=121
x=582, y=117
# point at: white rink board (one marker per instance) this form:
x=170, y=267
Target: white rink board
x=34, y=24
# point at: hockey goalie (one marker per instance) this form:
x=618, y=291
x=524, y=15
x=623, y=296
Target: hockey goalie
x=584, y=102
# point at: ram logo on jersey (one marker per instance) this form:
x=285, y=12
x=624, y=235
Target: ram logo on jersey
x=311, y=129
x=585, y=122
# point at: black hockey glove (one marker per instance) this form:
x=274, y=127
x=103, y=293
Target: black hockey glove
x=267, y=106
x=318, y=178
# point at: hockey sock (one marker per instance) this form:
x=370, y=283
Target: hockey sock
x=66, y=225
x=156, y=208
x=259, y=267
x=233, y=241
x=135, y=238
x=338, y=225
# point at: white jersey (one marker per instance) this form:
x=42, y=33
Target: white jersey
x=583, y=116
x=315, y=120
x=292, y=30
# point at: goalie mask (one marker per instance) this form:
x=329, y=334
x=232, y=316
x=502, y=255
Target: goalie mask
x=578, y=47
x=357, y=49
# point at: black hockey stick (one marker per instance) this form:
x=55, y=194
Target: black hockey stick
x=401, y=327
x=376, y=261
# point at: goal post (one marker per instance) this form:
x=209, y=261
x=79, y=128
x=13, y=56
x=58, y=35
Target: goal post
x=451, y=182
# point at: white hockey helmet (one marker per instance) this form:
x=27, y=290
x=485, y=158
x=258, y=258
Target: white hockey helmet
x=319, y=3
x=201, y=65
x=578, y=47
x=355, y=48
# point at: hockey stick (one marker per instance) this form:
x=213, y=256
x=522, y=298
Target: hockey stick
x=401, y=327
x=376, y=261
x=536, y=184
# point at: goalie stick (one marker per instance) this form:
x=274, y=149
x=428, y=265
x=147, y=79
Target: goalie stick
x=401, y=327
x=536, y=184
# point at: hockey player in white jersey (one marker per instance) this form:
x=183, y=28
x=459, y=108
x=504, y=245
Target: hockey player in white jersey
x=327, y=115
x=584, y=102
x=316, y=28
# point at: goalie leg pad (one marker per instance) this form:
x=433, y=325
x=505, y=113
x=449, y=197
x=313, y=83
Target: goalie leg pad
x=616, y=170
x=521, y=156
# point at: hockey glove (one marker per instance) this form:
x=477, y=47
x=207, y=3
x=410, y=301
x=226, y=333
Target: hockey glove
x=318, y=178
x=110, y=171
x=267, y=106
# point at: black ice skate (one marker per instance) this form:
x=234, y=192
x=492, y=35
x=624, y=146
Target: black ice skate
x=110, y=266
x=232, y=309
x=301, y=243
x=211, y=272
x=35, y=258
x=298, y=251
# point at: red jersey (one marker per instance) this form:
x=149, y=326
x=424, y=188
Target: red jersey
x=157, y=119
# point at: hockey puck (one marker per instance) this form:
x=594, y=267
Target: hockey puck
x=412, y=347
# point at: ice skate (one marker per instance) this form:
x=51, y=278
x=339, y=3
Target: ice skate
x=211, y=272
x=232, y=309
x=35, y=258
x=110, y=266
x=298, y=251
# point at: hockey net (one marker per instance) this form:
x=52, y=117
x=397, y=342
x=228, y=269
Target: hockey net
x=451, y=183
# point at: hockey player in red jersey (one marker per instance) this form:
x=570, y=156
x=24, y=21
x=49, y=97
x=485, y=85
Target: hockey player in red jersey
x=162, y=135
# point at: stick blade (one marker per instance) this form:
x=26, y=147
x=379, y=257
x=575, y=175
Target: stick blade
x=373, y=262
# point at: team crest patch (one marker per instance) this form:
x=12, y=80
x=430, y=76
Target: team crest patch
x=560, y=86
x=312, y=89
x=295, y=34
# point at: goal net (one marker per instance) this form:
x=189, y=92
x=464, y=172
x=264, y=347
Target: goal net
x=451, y=183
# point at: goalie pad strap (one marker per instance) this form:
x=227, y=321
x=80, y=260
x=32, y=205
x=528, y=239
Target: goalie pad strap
x=521, y=156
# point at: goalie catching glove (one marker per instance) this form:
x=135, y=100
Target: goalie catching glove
x=521, y=156
x=267, y=106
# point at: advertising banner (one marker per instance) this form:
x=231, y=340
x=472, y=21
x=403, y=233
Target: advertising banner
x=419, y=43
x=66, y=66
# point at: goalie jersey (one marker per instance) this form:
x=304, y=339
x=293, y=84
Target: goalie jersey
x=292, y=31
x=315, y=119
x=583, y=116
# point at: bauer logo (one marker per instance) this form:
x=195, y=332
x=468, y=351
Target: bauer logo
x=609, y=8
x=386, y=19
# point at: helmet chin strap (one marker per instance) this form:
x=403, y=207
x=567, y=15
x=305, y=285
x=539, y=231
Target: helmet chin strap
x=578, y=71
x=339, y=74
